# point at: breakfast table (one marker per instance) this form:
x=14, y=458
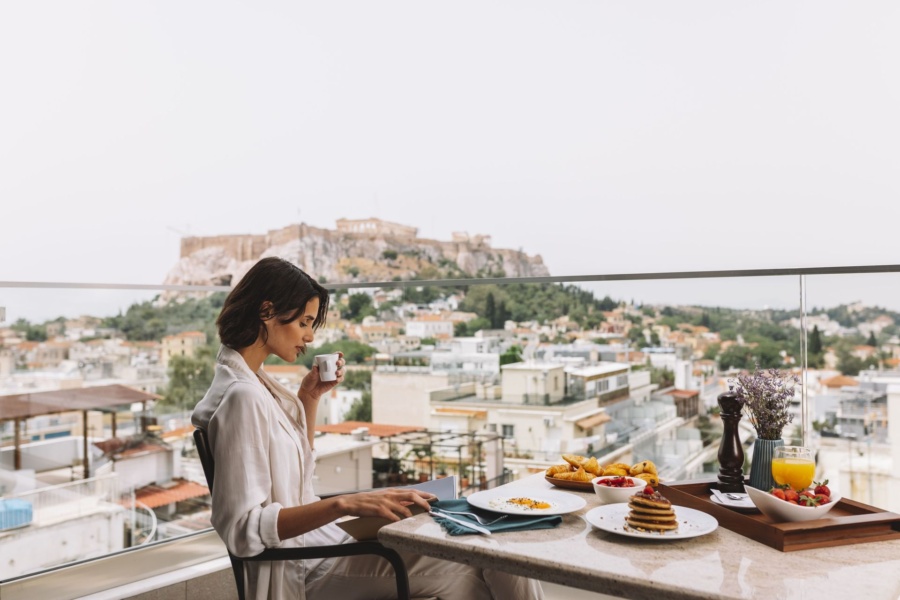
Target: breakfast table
x=717, y=564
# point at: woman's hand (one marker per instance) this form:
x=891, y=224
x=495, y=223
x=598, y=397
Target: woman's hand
x=391, y=503
x=312, y=388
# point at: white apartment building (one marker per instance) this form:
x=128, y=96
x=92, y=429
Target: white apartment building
x=430, y=326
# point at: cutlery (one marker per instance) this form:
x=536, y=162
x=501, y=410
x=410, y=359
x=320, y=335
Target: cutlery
x=719, y=495
x=728, y=497
x=473, y=515
x=477, y=528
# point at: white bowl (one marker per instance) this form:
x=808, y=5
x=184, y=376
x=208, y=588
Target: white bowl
x=780, y=510
x=615, y=495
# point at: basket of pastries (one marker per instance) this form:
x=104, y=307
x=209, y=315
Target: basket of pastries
x=579, y=471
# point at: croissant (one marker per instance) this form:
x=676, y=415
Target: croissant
x=593, y=467
x=579, y=475
x=574, y=459
x=618, y=466
x=558, y=469
x=645, y=466
x=615, y=471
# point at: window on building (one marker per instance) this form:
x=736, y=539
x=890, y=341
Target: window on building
x=509, y=431
x=603, y=385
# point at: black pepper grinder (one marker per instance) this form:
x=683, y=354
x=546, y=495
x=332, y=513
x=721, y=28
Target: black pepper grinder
x=731, y=452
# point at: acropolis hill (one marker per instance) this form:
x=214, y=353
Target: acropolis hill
x=357, y=250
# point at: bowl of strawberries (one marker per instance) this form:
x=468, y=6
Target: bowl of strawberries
x=786, y=504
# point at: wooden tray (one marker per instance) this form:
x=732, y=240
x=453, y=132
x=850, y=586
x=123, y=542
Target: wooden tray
x=849, y=522
x=584, y=486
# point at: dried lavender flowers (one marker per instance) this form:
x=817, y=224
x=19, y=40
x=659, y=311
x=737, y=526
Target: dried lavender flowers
x=766, y=399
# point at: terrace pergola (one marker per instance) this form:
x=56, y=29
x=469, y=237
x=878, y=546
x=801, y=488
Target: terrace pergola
x=105, y=398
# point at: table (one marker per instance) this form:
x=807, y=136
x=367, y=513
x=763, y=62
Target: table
x=721, y=564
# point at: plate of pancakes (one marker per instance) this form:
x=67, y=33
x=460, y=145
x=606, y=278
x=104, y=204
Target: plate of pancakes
x=650, y=515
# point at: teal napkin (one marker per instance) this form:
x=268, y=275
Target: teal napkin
x=510, y=523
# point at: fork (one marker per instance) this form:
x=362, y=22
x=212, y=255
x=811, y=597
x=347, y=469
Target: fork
x=474, y=516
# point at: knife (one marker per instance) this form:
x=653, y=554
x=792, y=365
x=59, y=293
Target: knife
x=720, y=496
x=477, y=528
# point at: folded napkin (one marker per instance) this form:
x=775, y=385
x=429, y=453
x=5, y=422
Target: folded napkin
x=510, y=523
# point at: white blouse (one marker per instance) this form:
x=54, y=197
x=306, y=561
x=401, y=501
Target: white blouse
x=263, y=462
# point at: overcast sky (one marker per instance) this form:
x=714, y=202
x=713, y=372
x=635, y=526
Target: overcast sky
x=608, y=137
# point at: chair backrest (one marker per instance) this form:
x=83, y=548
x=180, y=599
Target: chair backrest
x=351, y=549
x=206, y=459
x=209, y=469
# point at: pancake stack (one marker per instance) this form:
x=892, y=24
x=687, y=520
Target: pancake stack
x=650, y=511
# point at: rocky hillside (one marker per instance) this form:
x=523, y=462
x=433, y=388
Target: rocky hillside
x=358, y=251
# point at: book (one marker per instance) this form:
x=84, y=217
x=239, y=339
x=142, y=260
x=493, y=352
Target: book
x=366, y=528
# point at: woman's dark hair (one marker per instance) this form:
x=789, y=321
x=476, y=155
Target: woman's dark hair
x=273, y=280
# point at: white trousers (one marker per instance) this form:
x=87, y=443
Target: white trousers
x=370, y=577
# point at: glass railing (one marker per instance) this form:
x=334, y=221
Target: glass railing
x=97, y=384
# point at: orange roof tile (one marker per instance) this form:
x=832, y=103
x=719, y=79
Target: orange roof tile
x=839, y=381
x=375, y=429
x=155, y=496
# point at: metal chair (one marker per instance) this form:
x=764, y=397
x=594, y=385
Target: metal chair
x=273, y=554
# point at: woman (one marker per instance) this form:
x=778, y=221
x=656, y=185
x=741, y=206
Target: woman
x=262, y=440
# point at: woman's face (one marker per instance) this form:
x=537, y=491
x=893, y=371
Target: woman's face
x=287, y=341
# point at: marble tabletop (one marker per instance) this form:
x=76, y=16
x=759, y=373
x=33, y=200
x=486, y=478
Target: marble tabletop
x=721, y=564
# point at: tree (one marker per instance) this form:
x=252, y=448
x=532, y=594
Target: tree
x=189, y=378
x=502, y=315
x=815, y=341
x=469, y=329
x=607, y=304
x=32, y=333
x=663, y=377
x=872, y=341
x=712, y=351
x=636, y=335
x=512, y=355
x=359, y=307
x=357, y=379
x=490, y=311
x=736, y=357
x=360, y=410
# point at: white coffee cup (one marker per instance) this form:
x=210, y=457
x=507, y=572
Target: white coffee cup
x=327, y=364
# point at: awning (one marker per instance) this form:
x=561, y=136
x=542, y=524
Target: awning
x=593, y=420
x=462, y=412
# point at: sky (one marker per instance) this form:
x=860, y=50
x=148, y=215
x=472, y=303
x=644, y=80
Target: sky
x=607, y=137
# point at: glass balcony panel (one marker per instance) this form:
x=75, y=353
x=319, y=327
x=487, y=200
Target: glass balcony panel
x=607, y=368
x=853, y=383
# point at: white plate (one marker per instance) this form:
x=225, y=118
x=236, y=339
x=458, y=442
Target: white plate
x=745, y=503
x=497, y=500
x=691, y=523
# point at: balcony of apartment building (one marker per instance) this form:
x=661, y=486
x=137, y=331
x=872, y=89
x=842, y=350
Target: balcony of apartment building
x=670, y=424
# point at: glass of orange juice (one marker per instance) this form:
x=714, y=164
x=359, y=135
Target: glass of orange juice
x=794, y=466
